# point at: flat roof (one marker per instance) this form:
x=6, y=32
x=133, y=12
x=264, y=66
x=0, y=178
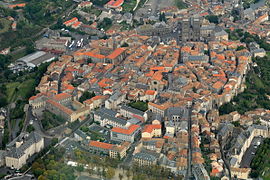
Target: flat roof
x=37, y=58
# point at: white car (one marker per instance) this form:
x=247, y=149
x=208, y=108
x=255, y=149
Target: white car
x=253, y=153
x=31, y=122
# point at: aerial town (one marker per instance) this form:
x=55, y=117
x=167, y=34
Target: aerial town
x=135, y=89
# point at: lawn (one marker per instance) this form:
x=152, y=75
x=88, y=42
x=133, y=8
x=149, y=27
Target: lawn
x=16, y=90
x=92, y=10
x=129, y=5
x=11, y=90
x=50, y=120
x=140, y=105
x=266, y=173
x=19, y=54
x=5, y=25
x=180, y=4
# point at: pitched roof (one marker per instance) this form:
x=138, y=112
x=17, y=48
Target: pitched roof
x=100, y=145
x=61, y=96
x=116, y=53
x=60, y=106
x=150, y=127
x=128, y=131
x=150, y=92
x=73, y=20
x=17, y=5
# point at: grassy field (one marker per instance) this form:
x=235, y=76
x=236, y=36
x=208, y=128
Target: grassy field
x=18, y=90
x=11, y=90
x=18, y=55
x=129, y=5
x=6, y=25
x=180, y=4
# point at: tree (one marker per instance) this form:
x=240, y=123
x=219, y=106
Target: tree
x=105, y=24
x=213, y=19
x=86, y=95
x=236, y=123
x=120, y=176
x=80, y=168
x=128, y=173
x=3, y=101
x=30, y=128
x=239, y=48
x=41, y=177
x=125, y=45
x=110, y=173
x=162, y=17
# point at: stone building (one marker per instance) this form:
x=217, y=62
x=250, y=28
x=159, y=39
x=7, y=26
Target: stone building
x=22, y=148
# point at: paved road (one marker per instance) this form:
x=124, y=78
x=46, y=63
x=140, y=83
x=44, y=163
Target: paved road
x=248, y=156
x=8, y=120
x=189, y=170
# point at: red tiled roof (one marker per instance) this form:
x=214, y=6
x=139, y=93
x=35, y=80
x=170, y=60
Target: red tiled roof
x=61, y=96
x=150, y=92
x=17, y=5
x=116, y=53
x=60, y=106
x=76, y=24
x=116, y=3
x=128, y=131
x=100, y=145
x=73, y=20
x=150, y=127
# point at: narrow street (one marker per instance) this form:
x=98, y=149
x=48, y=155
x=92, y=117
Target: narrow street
x=189, y=170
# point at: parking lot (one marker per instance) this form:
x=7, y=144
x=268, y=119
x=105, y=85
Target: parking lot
x=78, y=40
x=250, y=152
x=152, y=8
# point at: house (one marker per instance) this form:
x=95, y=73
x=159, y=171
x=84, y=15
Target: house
x=85, y=4
x=116, y=99
x=157, y=119
x=130, y=112
x=151, y=130
x=199, y=172
x=112, y=150
x=149, y=95
x=71, y=21
x=22, y=148
x=38, y=101
x=80, y=135
x=170, y=128
x=129, y=134
x=119, y=151
x=114, y=4
x=108, y=117
x=259, y=52
x=100, y=147
x=153, y=144
x=95, y=102
x=63, y=105
x=157, y=108
x=240, y=173
x=146, y=158
x=116, y=56
x=221, y=35
x=21, y=5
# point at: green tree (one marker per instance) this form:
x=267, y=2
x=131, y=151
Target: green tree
x=110, y=173
x=239, y=48
x=120, y=176
x=86, y=95
x=213, y=19
x=80, y=168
